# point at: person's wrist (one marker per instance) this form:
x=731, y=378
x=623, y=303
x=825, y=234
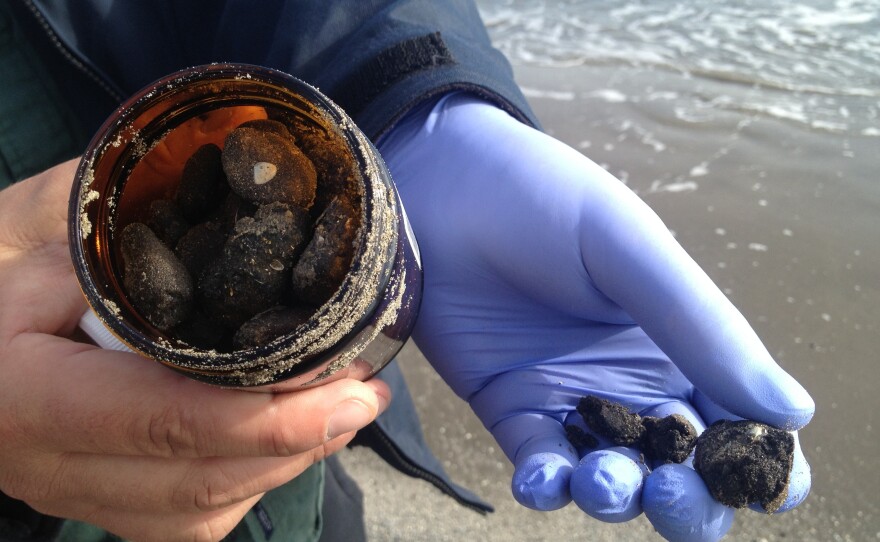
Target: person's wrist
x=436, y=117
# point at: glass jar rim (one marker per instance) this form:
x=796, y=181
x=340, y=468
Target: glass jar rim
x=339, y=318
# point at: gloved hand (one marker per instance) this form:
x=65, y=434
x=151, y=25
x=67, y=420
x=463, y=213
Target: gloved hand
x=547, y=279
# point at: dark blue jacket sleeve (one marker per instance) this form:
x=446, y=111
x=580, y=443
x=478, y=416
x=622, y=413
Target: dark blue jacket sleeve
x=376, y=58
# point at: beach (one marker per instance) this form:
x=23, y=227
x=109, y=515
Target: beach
x=773, y=188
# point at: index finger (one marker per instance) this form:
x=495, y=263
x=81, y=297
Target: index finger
x=100, y=401
x=633, y=259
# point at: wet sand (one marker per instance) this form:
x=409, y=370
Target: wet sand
x=783, y=216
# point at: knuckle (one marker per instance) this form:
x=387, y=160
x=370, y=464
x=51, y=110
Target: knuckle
x=207, y=489
x=281, y=438
x=282, y=442
x=167, y=434
x=208, y=499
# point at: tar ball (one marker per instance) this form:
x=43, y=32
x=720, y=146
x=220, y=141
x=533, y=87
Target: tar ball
x=200, y=246
x=264, y=167
x=156, y=282
x=744, y=462
x=201, y=331
x=268, y=125
x=202, y=184
x=580, y=439
x=337, y=174
x=668, y=440
x=253, y=271
x=166, y=221
x=326, y=260
x=270, y=325
x=611, y=420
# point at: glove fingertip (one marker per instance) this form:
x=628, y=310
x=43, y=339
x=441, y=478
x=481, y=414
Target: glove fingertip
x=679, y=506
x=541, y=481
x=607, y=485
x=799, y=482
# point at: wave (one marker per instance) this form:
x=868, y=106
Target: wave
x=792, y=46
x=822, y=53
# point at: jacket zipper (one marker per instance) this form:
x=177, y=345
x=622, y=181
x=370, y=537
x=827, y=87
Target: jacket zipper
x=70, y=56
x=399, y=461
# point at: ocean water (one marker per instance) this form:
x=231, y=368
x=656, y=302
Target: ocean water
x=815, y=63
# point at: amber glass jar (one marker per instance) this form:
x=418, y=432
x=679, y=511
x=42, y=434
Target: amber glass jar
x=353, y=334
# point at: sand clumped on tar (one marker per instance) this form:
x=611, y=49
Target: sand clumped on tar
x=250, y=243
x=742, y=462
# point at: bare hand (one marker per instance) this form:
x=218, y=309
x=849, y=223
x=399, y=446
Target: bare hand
x=121, y=442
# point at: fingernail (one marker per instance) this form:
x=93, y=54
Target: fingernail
x=381, y=391
x=348, y=416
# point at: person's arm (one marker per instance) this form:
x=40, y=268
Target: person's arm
x=121, y=442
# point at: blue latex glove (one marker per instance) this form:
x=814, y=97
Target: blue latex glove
x=547, y=279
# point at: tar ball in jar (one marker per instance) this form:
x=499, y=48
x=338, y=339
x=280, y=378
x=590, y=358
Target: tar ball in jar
x=232, y=223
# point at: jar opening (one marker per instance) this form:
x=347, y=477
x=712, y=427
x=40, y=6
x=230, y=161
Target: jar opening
x=138, y=158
